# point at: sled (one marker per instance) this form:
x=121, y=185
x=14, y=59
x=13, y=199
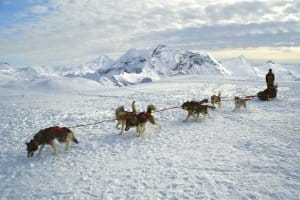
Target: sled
x=268, y=94
x=249, y=97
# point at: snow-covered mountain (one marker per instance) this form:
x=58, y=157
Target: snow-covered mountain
x=172, y=62
x=281, y=72
x=137, y=66
x=12, y=77
x=239, y=67
x=44, y=79
x=89, y=67
x=294, y=69
x=140, y=66
x=6, y=71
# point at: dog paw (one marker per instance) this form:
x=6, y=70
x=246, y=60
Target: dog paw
x=138, y=135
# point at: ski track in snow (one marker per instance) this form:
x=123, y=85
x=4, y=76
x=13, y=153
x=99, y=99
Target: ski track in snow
x=250, y=153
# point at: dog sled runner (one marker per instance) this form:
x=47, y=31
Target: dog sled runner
x=268, y=94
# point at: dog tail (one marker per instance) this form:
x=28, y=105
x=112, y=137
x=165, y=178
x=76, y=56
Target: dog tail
x=203, y=101
x=133, y=107
x=219, y=94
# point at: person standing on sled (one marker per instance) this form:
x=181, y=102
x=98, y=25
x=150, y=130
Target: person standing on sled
x=270, y=79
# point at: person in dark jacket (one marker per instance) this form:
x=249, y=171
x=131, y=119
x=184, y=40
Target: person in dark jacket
x=270, y=79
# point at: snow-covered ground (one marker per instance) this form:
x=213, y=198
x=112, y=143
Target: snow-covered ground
x=252, y=153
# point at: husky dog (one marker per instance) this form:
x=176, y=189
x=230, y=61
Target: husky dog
x=214, y=99
x=121, y=116
x=47, y=136
x=239, y=102
x=195, y=108
x=140, y=120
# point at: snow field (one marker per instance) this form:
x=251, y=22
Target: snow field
x=250, y=153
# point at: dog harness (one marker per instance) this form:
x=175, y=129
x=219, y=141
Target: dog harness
x=55, y=129
x=143, y=115
x=48, y=134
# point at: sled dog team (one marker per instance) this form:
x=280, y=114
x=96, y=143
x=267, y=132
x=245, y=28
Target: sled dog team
x=133, y=119
x=126, y=119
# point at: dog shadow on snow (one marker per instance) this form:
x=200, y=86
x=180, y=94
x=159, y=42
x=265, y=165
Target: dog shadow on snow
x=192, y=120
x=126, y=139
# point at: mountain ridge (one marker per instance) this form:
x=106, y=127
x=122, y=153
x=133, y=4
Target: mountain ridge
x=146, y=65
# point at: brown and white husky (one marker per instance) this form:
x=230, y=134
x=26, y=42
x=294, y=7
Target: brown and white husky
x=48, y=136
x=122, y=116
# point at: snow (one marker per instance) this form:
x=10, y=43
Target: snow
x=88, y=68
x=239, y=66
x=144, y=65
x=147, y=65
x=282, y=73
x=251, y=153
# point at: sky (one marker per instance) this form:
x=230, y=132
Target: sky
x=73, y=32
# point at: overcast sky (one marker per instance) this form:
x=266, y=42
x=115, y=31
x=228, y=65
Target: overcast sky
x=71, y=32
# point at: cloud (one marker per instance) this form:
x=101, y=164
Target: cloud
x=39, y=9
x=252, y=11
x=71, y=31
x=230, y=36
